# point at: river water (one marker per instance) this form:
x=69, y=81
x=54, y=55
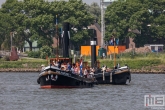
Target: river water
x=20, y=91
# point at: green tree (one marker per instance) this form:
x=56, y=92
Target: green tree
x=38, y=23
x=31, y=21
x=118, y=17
x=34, y=20
x=5, y=27
x=157, y=14
x=143, y=15
x=45, y=51
x=95, y=10
x=74, y=12
x=7, y=24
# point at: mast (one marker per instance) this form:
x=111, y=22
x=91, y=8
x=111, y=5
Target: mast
x=102, y=23
x=57, y=36
x=114, y=40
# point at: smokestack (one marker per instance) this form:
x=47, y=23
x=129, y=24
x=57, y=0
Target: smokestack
x=93, y=44
x=65, y=39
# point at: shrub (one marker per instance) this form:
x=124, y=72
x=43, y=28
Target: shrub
x=6, y=58
x=45, y=51
x=34, y=54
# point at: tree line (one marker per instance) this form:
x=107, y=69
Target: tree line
x=35, y=20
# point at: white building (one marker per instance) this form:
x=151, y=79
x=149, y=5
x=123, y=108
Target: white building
x=155, y=47
x=107, y=2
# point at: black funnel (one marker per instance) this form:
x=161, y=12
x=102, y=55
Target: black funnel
x=65, y=39
x=93, y=44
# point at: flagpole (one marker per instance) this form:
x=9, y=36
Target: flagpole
x=114, y=32
x=57, y=36
x=114, y=53
x=102, y=23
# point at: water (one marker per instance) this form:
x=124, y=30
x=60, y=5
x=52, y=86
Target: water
x=20, y=91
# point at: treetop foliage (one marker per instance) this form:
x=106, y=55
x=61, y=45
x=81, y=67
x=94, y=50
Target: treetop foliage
x=146, y=16
x=35, y=20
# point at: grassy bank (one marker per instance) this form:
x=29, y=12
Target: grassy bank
x=23, y=63
x=150, y=62
x=134, y=63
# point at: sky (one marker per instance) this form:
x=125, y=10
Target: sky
x=86, y=1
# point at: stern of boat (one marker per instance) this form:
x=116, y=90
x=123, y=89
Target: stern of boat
x=121, y=76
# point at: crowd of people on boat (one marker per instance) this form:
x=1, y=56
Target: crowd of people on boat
x=78, y=69
x=75, y=68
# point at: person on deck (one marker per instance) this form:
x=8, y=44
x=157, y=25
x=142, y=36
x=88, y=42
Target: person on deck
x=69, y=66
x=59, y=64
x=55, y=63
x=104, y=68
x=76, y=70
x=72, y=70
x=81, y=71
x=92, y=73
x=85, y=73
x=42, y=67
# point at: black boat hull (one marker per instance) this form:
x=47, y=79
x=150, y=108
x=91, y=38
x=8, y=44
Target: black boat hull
x=50, y=78
x=47, y=81
x=113, y=77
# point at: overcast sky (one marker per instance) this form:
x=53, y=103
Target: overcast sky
x=86, y=1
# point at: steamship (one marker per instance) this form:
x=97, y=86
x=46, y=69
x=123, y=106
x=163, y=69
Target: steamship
x=53, y=77
x=57, y=77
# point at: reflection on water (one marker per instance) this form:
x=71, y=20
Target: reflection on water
x=20, y=91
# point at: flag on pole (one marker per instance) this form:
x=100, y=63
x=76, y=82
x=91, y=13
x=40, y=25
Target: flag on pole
x=117, y=41
x=81, y=67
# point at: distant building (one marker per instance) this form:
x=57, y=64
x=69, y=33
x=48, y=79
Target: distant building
x=107, y=2
x=97, y=27
x=27, y=47
x=155, y=47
